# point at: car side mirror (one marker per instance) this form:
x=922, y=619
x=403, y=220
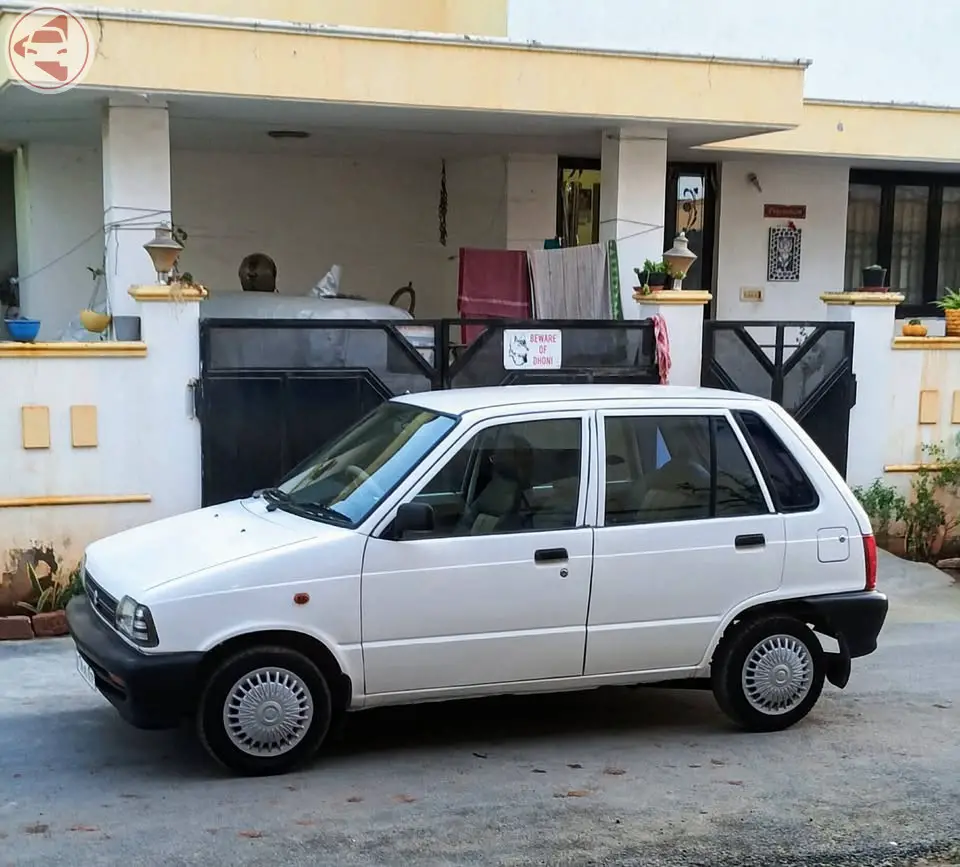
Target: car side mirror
x=412, y=519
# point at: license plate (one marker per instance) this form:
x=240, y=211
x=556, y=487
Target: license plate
x=86, y=672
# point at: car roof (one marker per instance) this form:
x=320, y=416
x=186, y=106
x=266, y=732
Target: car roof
x=457, y=401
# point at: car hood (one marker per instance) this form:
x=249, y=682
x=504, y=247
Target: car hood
x=137, y=560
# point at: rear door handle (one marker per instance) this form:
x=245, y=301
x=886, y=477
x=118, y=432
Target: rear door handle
x=754, y=540
x=551, y=555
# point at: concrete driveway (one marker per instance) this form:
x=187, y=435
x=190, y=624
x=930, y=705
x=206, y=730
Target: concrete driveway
x=620, y=777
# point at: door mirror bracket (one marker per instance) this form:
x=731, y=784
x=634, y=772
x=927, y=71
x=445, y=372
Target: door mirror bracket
x=413, y=519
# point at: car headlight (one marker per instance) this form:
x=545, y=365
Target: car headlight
x=135, y=621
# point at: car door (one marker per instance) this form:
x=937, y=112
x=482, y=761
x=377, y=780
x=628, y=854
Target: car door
x=685, y=532
x=498, y=592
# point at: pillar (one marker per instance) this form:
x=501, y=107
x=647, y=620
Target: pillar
x=874, y=316
x=136, y=194
x=682, y=311
x=633, y=190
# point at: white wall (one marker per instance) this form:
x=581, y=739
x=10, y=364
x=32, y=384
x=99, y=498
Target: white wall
x=743, y=236
x=531, y=200
x=59, y=231
x=375, y=217
x=853, y=44
x=148, y=444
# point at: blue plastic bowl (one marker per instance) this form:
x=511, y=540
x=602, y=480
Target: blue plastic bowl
x=23, y=330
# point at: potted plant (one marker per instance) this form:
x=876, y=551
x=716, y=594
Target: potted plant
x=950, y=305
x=658, y=273
x=643, y=274
x=914, y=328
x=874, y=278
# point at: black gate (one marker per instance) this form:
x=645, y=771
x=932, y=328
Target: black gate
x=272, y=391
x=806, y=367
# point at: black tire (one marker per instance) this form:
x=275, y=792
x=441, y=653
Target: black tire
x=212, y=728
x=728, y=669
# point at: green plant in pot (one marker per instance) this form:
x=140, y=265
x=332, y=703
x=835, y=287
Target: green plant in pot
x=652, y=276
x=874, y=278
x=950, y=305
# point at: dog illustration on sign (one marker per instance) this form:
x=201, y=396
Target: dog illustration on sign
x=519, y=350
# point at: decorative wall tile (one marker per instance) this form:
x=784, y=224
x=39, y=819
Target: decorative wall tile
x=929, y=407
x=35, y=427
x=83, y=427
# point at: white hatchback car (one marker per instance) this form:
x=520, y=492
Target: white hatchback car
x=471, y=542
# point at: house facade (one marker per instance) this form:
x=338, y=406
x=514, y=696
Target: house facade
x=383, y=136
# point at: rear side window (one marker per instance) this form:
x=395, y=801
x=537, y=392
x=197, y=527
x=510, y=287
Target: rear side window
x=789, y=486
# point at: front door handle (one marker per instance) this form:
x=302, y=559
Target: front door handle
x=551, y=555
x=752, y=540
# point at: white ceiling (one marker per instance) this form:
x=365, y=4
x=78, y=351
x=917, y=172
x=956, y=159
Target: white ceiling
x=231, y=124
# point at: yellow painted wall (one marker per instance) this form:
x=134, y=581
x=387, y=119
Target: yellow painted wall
x=479, y=17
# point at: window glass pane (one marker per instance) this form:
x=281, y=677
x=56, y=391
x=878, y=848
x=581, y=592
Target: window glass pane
x=350, y=476
x=513, y=478
x=909, y=240
x=580, y=206
x=790, y=488
x=738, y=492
x=672, y=477
x=691, y=202
x=863, y=229
x=948, y=273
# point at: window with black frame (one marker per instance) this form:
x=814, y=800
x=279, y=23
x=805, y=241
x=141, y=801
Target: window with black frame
x=908, y=223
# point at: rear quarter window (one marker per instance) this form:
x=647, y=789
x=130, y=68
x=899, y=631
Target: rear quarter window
x=790, y=488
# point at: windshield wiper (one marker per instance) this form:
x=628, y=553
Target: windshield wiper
x=317, y=510
x=273, y=496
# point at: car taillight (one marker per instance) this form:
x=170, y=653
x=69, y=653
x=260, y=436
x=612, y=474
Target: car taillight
x=870, y=558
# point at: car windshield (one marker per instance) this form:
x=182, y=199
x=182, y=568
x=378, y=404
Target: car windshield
x=349, y=477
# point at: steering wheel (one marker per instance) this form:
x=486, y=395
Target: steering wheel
x=363, y=476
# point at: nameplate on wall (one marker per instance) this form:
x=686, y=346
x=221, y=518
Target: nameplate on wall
x=785, y=212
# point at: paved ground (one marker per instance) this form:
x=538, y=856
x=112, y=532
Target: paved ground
x=619, y=778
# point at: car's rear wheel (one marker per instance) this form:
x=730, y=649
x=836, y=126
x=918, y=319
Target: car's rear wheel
x=264, y=711
x=768, y=673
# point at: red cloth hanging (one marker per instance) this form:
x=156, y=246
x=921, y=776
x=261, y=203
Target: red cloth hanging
x=494, y=284
x=662, y=339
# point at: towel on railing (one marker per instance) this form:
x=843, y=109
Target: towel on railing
x=662, y=351
x=494, y=284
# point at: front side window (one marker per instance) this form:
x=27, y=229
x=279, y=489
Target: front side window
x=680, y=468
x=348, y=478
x=516, y=477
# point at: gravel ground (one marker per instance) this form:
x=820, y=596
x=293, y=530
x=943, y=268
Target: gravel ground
x=618, y=777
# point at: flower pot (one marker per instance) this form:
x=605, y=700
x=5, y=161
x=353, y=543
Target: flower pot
x=657, y=280
x=23, y=330
x=643, y=277
x=914, y=330
x=94, y=322
x=874, y=279
x=126, y=328
x=952, y=319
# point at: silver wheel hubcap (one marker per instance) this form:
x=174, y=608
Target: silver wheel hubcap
x=268, y=712
x=777, y=674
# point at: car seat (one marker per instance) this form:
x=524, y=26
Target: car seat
x=502, y=505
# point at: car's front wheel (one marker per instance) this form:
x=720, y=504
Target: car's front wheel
x=768, y=673
x=264, y=711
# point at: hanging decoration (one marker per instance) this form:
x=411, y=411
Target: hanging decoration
x=783, y=254
x=442, y=207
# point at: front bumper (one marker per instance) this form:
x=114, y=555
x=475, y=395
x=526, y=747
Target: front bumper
x=150, y=691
